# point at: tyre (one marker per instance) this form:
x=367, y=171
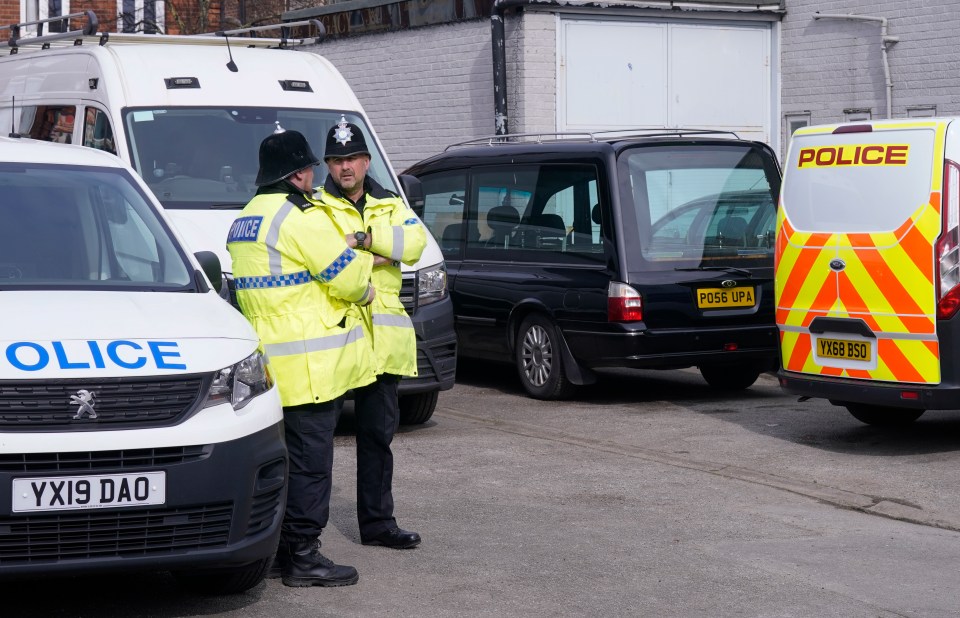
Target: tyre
x=732, y=376
x=539, y=361
x=883, y=416
x=417, y=409
x=224, y=581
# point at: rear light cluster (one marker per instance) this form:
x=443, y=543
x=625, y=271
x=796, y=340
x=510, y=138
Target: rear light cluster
x=947, y=248
x=624, y=304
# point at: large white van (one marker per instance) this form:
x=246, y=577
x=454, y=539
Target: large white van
x=139, y=426
x=188, y=113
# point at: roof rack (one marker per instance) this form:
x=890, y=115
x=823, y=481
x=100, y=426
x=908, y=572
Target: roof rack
x=283, y=27
x=88, y=34
x=585, y=136
x=88, y=29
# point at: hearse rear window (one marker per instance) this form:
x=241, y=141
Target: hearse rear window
x=695, y=204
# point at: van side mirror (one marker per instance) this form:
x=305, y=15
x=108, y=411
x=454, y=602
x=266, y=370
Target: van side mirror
x=210, y=264
x=413, y=189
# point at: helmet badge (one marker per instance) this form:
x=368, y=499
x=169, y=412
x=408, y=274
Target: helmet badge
x=343, y=134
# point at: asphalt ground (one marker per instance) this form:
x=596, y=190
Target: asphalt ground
x=650, y=495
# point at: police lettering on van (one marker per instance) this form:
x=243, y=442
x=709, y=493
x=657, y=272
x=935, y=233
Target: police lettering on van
x=120, y=354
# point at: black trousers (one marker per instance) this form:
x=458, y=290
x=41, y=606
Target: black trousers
x=378, y=416
x=309, y=433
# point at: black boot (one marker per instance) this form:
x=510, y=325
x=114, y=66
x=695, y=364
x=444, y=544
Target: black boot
x=304, y=565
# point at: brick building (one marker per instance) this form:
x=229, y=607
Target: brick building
x=152, y=16
x=424, y=71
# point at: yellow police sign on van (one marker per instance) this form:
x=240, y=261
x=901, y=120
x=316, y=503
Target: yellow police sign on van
x=854, y=155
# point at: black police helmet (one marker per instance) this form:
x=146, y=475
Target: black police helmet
x=343, y=140
x=282, y=154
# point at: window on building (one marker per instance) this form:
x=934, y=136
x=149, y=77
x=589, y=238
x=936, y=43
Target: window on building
x=857, y=114
x=921, y=111
x=796, y=121
x=36, y=10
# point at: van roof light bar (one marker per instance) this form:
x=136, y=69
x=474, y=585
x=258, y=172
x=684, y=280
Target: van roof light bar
x=585, y=136
x=89, y=28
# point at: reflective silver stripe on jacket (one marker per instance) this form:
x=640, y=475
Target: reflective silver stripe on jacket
x=386, y=319
x=397, y=252
x=320, y=344
x=273, y=235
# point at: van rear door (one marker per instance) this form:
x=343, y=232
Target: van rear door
x=855, y=279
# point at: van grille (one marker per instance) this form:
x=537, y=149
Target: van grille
x=120, y=403
x=437, y=362
x=49, y=463
x=125, y=533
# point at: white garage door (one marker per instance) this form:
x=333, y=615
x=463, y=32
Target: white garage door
x=628, y=74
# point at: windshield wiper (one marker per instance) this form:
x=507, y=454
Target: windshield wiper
x=228, y=205
x=730, y=269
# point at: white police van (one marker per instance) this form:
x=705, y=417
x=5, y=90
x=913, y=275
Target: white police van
x=139, y=425
x=188, y=113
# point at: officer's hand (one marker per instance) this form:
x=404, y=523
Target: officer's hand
x=351, y=241
x=379, y=260
x=373, y=293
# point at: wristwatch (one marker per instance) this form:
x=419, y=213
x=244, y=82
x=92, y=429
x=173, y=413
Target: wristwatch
x=361, y=238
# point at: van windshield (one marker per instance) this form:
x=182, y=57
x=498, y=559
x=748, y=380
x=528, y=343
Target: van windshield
x=857, y=182
x=207, y=157
x=83, y=228
x=698, y=205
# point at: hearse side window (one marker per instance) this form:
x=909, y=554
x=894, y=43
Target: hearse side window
x=445, y=196
x=97, y=132
x=48, y=123
x=536, y=214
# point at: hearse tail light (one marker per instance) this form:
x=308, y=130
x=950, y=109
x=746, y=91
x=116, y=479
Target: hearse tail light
x=624, y=304
x=947, y=248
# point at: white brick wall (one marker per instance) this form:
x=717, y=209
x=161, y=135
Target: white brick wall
x=830, y=65
x=423, y=89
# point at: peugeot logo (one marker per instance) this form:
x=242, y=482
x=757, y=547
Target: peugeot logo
x=728, y=283
x=837, y=265
x=84, y=399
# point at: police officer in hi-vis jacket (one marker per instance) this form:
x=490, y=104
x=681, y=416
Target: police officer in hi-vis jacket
x=303, y=290
x=386, y=229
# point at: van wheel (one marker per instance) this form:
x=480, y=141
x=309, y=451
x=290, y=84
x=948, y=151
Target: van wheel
x=883, y=416
x=224, y=581
x=732, y=376
x=539, y=361
x=417, y=409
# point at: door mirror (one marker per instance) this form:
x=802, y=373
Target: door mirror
x=210, y=264
x=414, y=192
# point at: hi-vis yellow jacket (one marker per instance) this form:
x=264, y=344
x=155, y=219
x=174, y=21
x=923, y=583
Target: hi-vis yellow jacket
x=300, y=287
x=396, y=233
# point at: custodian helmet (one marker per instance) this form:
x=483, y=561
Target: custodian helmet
x=345, y=139
x=282, y=154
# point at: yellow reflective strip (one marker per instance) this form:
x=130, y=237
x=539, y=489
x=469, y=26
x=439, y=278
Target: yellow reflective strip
x=819, y=276
x=928, y=222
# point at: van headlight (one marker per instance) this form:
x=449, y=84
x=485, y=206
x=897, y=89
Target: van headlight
x=431, y=285
x=240, y=383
